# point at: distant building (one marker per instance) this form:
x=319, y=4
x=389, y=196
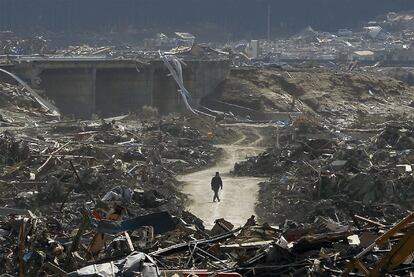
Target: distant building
x=307, y=35
x=186, y=39
x=375, y=32
x=363, y=56
x=164, y=42
x=252, y=50
x=160, y=41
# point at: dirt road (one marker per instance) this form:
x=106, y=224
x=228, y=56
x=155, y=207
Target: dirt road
x=239, y=194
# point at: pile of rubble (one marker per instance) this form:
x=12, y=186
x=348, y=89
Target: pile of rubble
x=102, y=243
x=106, y=154
x=18, y=107
x=61, y=175
x=337, y=177
x=338, y=193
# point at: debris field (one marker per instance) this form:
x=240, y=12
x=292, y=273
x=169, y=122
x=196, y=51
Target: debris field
x=100, y=196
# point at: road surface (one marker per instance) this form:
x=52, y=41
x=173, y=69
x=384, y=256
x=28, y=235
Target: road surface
x=239, y=194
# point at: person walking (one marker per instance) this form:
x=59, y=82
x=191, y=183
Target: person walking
x=216, y=184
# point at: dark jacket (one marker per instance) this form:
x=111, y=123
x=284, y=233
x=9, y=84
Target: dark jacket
x=216, y=183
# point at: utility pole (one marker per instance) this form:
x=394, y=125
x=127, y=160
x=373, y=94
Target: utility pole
x=268, y=20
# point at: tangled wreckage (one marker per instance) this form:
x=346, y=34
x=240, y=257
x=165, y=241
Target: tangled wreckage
x=99, y=197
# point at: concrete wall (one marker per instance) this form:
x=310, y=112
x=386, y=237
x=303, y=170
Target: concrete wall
x=165, y=92
x=205, y=78
x=114, y=87
x=201, y=78
x=72, y=90
x=119, y=91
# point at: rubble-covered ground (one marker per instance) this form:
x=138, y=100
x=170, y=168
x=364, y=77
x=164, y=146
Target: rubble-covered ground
x=351, y=153
x=18, y=108
x=55, y=170
x=337, y=177
x=100, y=198
x=346, y=163
x=91, y=197
x=350, y=145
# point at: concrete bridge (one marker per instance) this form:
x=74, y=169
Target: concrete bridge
x=84, y=86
